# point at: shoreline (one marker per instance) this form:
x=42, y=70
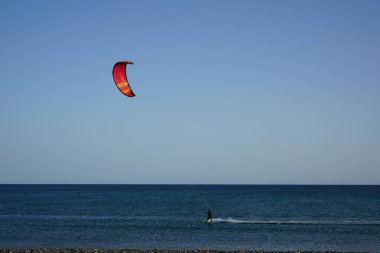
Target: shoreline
x=68, y=250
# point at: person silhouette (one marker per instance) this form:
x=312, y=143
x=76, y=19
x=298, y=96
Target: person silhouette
x=209, y=216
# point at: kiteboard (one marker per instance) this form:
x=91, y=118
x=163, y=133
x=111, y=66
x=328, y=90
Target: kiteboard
x=207, y=221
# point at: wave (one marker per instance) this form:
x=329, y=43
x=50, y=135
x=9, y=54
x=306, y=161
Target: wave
x=295, y=222
x=214, y=220
x=60, y=217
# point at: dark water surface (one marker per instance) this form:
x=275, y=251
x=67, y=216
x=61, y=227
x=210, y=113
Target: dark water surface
x=344, y=218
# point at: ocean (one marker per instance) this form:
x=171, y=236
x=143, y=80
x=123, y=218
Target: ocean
x=271, y=217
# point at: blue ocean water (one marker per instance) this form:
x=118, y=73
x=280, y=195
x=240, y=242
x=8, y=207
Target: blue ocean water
x=343, y=218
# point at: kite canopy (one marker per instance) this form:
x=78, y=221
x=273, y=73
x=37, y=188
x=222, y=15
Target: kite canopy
x=120, y=77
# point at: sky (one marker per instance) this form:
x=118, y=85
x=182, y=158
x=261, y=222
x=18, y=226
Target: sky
x=227, y=92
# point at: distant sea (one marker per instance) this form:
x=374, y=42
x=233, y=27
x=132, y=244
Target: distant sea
x=272, y=217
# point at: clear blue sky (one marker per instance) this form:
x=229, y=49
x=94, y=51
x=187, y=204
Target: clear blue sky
x=253, y=92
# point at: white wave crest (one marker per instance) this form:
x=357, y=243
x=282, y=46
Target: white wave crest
x=295, y=222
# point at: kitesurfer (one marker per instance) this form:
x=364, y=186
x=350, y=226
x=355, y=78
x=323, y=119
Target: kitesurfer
x=209, y=215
